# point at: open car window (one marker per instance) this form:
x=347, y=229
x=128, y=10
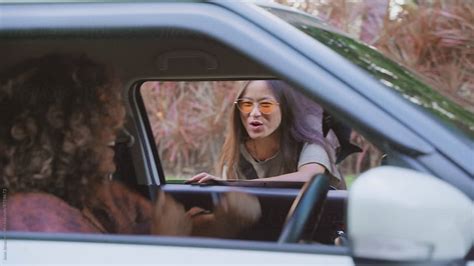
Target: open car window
x=189, y=121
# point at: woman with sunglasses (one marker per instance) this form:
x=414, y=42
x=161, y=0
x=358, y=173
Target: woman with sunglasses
x=275, y=133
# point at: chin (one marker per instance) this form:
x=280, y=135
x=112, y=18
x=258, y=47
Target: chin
x=257, y=136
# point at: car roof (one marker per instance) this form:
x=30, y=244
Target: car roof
x=104, y=37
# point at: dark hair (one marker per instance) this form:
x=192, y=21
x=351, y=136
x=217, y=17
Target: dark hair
x=57, y=113
x=295, y=128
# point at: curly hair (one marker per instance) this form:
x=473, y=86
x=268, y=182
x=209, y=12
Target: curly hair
x=57, y=115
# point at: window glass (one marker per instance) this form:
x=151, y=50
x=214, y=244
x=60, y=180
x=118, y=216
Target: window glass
x=396, y=77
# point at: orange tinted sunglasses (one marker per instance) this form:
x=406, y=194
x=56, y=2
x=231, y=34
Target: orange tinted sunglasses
x=265, y=106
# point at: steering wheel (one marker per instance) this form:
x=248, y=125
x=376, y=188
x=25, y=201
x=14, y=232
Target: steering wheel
x=309, y=200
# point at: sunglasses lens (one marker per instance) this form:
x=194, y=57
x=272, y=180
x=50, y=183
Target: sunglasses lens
x=266, y=107
x=245, y=106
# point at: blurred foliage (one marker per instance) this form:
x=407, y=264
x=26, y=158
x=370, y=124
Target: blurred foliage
x=433, y=37
x=188, y=120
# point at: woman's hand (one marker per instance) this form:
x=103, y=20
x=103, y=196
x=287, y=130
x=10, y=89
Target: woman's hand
x=202, y=178
x=170, y=217
x=234, y=212
x=238, y=210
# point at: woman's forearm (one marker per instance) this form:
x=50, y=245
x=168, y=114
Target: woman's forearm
x=302, y=175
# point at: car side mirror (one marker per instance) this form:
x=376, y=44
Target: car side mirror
x=397, y=214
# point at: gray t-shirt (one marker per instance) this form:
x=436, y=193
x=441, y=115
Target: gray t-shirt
x=310, y=153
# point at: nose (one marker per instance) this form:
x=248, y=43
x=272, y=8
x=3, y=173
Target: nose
x=255, y=111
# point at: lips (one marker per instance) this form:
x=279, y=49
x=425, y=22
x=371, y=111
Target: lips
x=255, y=126
x=256, y=123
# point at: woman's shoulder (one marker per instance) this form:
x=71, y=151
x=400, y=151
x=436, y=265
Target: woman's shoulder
x=114, y=209
x=43, y=212
x=312, y=146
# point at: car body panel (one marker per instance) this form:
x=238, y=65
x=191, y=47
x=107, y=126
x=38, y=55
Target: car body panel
x=133, y=250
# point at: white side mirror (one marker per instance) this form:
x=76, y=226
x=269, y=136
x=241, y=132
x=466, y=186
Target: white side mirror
x=400, y=214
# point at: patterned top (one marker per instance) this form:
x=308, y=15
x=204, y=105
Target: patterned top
x=116, y=210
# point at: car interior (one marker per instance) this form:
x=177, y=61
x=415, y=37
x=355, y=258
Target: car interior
x=178, y=55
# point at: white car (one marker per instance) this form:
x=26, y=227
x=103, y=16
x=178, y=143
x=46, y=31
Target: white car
x=416, y=207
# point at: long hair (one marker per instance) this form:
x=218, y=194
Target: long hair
x=295, y=129
x=57, y=114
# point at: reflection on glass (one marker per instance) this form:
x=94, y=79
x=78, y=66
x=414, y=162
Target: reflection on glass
x=383, y=69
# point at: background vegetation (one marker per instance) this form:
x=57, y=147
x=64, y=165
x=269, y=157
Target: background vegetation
x=189, y=121
x=432, y=37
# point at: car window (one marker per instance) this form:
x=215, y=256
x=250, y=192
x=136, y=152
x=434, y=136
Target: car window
x=189, y=121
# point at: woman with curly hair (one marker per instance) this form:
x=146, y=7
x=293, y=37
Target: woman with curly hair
x=58, y=115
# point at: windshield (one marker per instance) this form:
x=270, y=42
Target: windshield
x=383, y=69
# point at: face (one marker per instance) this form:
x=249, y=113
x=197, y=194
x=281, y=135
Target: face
x=107, y=153
x=259, y=123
